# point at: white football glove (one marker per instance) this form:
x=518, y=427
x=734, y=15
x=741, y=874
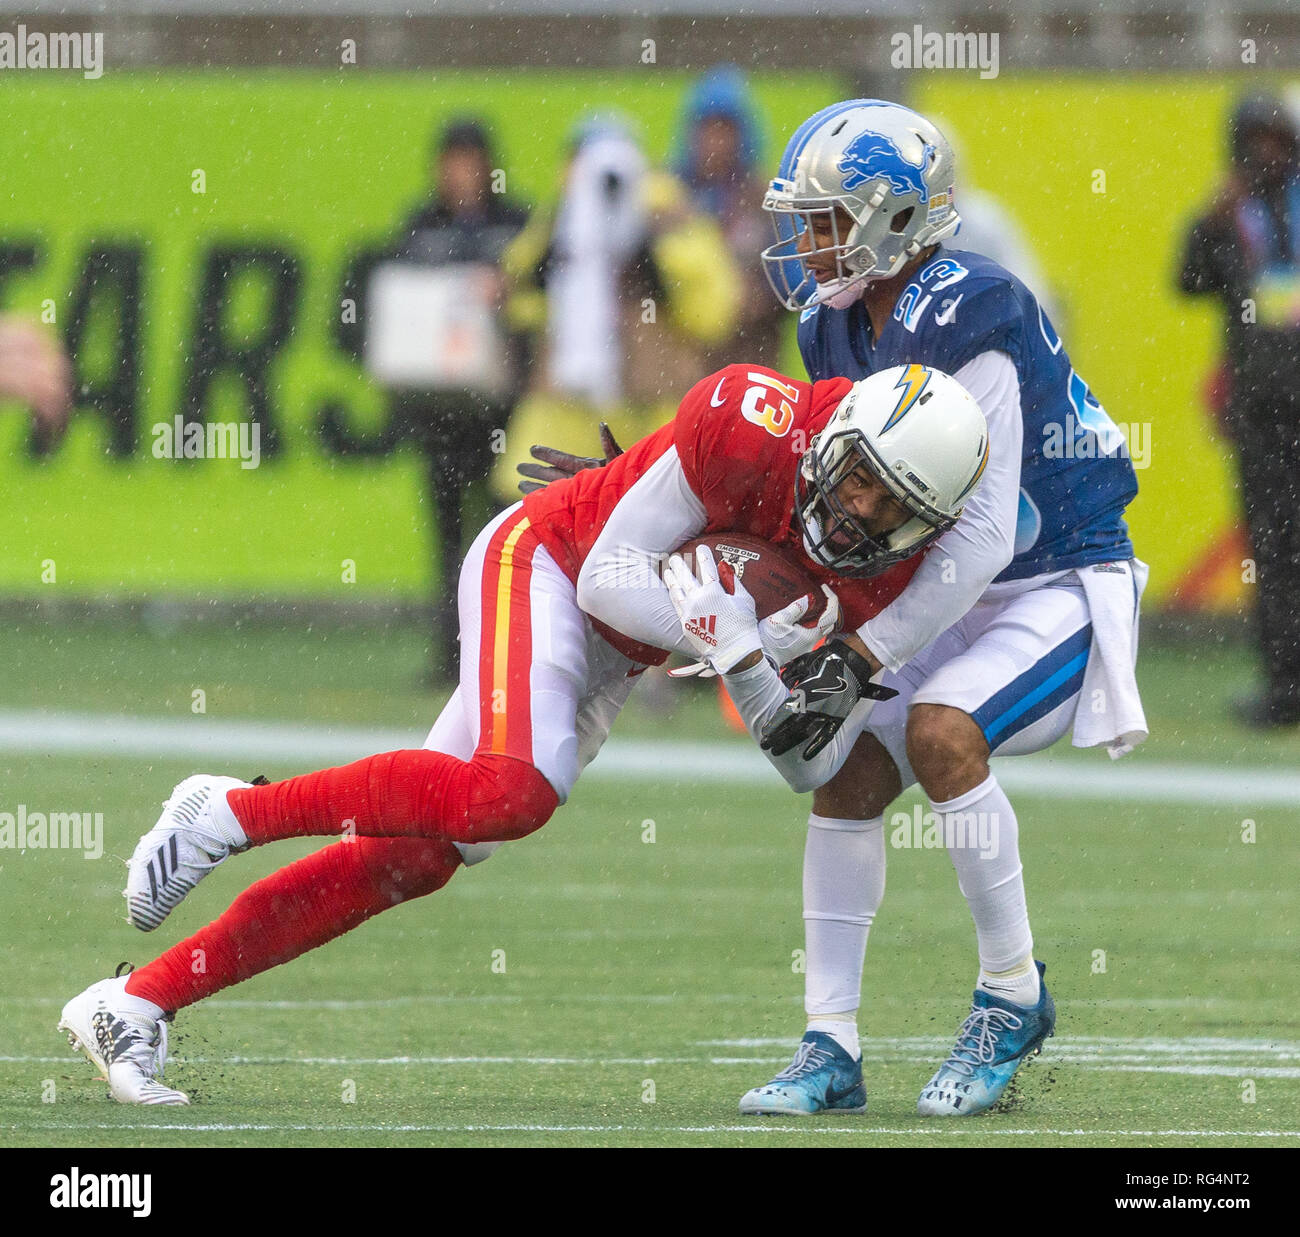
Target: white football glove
x=785, y=637
x=721, y=627
x=783, y=634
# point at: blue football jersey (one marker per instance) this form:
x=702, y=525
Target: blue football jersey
x=1076, y=476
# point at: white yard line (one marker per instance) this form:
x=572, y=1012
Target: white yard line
x=1196, y=1045
x=341, y=1004
x=1195, y=1056
x=760, y=1125
x=210, y=741
x=398, y=1002
x=1137, y=1048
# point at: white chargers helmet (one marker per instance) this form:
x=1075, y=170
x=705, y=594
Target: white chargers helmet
x=916, y=430
x=890, y=170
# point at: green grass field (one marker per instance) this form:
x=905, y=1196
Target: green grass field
x=646, y=985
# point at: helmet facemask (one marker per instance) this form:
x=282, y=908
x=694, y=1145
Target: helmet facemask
x=856, y=263
x=836, y=538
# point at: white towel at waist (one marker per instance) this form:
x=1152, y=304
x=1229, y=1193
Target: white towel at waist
x=1110, y=709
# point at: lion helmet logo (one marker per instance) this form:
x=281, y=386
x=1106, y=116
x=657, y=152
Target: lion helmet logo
x=872, y=156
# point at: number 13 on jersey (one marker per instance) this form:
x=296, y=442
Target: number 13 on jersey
x=756, y=408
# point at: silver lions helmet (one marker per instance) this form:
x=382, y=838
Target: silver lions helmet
x=889, y=169
x=918, y=432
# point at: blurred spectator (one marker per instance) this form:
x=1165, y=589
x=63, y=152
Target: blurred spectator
x=719, y=158
x=34, y=370
x=1245, y=250
x=464, y=224
x=626, y=286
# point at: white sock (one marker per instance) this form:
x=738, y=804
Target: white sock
x=843, y=885
x=226, y=820
x=842, y=1028
x=983, y=841
x=1020, y=984
x=138, y=1004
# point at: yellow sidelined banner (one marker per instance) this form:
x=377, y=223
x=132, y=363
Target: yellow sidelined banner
x=106, y=229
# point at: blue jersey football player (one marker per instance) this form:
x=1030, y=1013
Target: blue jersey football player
x=1020, y=623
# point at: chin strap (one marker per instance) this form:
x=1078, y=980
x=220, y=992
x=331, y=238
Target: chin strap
x=842, y=293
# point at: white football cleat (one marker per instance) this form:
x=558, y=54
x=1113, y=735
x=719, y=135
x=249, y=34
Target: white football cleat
x=128, y=1047
x=195, y=832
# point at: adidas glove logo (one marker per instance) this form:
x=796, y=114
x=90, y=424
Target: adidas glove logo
x=704, y=628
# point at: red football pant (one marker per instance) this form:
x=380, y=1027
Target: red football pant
x=415, y=793
x=400, y=812
x=294, y=910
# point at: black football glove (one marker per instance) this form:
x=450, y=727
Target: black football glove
x=824, y=686
x=559, y=465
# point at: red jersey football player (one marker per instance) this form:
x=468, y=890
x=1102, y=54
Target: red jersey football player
x=564, y=600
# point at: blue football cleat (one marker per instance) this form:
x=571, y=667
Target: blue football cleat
x=821, y=1078
x=990, y=1047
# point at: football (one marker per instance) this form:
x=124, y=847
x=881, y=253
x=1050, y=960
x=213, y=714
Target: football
x=771, y=576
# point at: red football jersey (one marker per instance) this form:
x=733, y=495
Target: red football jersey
x=739, y=435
